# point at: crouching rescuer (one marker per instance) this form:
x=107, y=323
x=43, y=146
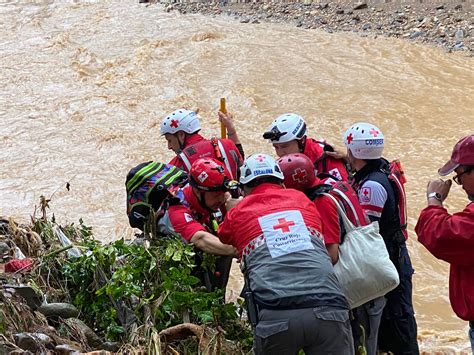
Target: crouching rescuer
x=293, y=296
x=187, y=210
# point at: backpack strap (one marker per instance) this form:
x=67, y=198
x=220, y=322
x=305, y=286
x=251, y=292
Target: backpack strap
x=320, y=189
x=185, y=160
x=324, y=157
x=223, y=155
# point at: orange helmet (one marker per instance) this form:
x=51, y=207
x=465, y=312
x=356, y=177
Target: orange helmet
x=209, y=174
x=298, y=170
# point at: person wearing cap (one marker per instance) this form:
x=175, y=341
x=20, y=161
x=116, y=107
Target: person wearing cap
x=288, y=134
x=190, y=214
x=181, y=130
x=383, y=199
x=299, y=304
x=450, y=237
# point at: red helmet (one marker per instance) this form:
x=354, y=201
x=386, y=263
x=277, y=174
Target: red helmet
x=210, y=174
x=298, y=170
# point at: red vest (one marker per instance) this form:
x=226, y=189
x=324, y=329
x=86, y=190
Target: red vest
x=222, y=149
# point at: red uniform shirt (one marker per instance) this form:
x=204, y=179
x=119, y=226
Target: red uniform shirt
x=241, y=224
x=188, y=217
x=451, y=238
x=335, y=167
x=329, y=218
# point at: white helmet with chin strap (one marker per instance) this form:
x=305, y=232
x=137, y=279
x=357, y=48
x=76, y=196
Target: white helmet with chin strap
x=364, y=140
x=259, y=165
x=286, y=128
x=180, y=120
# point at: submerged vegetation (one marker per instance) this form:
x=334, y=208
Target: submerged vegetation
x=138, y=296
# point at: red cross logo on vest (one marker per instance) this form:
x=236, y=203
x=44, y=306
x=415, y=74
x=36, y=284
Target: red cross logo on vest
x=374, y=132
x=349, y=138
x=174, y=124
x=260, y=158
x=284, y=225
x=300, y=175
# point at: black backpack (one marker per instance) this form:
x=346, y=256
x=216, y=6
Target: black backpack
x=147, y=186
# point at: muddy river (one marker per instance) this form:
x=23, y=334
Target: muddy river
x=83, y=87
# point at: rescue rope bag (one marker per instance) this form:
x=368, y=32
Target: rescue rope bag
x=364, y=268
x=148, y=184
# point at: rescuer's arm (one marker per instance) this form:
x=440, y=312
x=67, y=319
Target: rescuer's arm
x=209, y=243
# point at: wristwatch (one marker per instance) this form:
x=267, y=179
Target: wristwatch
x=435, y=195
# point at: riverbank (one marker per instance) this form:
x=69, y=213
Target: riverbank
x=449, y=25
x=64, y=292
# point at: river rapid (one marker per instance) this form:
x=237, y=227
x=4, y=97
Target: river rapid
x=84, y=87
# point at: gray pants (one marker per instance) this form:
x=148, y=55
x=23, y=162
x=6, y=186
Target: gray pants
x=320, y=330
x=368, y=316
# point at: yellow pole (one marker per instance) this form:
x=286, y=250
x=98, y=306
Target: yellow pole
x=223, y=110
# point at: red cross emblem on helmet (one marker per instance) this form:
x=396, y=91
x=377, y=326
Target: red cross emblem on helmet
x=300, y=175
x=373, y=132
x=260, y=158
x=174, y=123
x=350, y=138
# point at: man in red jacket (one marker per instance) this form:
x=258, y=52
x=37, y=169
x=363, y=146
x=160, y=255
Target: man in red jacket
x=451, y=237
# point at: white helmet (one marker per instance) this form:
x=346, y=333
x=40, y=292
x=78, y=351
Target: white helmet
x=286, y=128
x=258, y=165
x=364, y=140
x=180, y=120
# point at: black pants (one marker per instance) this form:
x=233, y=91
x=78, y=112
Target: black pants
x=398, y=328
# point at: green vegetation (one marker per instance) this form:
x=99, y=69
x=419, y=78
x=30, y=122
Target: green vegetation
x=129, y=292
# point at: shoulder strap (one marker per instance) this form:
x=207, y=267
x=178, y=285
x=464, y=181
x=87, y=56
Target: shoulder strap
x=318, y=191
x=185, y=160
x=347, y=223
x=349, y=203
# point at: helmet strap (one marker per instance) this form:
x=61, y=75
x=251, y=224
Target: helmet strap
x=181, y=141
x=302, y=144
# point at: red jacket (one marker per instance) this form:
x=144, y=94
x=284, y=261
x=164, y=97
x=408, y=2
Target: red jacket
x=451, y=238
x=335, y=167
x=241, y=224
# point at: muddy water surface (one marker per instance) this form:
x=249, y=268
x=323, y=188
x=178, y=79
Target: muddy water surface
x=83, y=88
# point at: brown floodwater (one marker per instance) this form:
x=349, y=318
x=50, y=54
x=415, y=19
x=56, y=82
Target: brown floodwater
x=85, y=85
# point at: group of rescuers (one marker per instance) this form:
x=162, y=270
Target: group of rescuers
x=286, y=234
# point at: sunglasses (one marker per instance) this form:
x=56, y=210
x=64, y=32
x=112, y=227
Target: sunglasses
x=458, y=176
